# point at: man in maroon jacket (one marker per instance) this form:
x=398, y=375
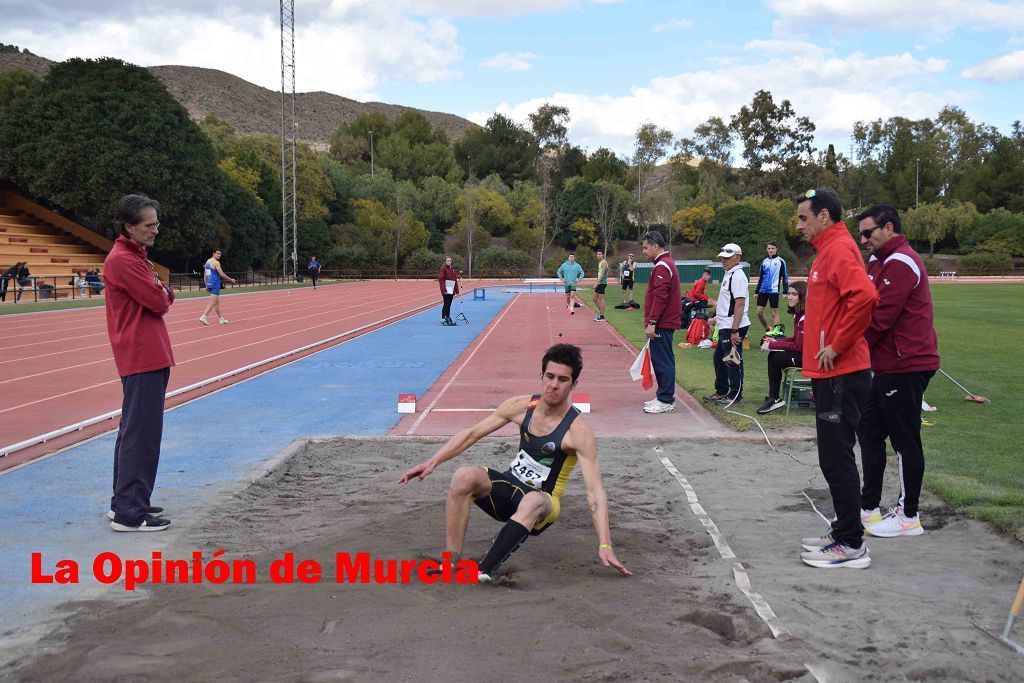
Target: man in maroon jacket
x=136, y=303
x=904, y=357
x=663, y=316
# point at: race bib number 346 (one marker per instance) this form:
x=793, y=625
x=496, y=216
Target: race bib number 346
x=528, y=470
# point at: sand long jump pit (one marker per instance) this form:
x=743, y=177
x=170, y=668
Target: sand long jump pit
x=710, y=530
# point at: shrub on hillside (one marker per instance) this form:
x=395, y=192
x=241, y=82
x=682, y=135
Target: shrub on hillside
x=498, y=258
x=423, y=260
x=984, y=264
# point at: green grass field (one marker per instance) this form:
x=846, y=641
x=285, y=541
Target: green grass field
x=973, y=451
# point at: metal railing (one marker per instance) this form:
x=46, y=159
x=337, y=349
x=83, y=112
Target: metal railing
x=48, y=287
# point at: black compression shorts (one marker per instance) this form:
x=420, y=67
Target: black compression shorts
x=506, y=493
x=627, y=284
x=763, y=298
x=599, y=289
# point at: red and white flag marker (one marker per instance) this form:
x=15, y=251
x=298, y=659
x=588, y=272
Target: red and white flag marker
x=582, y=402
x=407, y=403
x=641, y=368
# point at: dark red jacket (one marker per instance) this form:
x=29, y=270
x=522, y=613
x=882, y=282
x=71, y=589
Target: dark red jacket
x=136, y=303
x=901, y=334
x=794, y=344
x=448, y=273
x=662, y=300
x=840, y=301
x=699, y=291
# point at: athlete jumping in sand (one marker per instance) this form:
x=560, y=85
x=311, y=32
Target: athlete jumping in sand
x=552, y=438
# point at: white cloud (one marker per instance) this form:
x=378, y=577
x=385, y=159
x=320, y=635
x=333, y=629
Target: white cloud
x=674, y=24
x=785, y=47
x=833, y=92
x=998, y=70
x=906, y=16
x=349, y=59
x=520, y=61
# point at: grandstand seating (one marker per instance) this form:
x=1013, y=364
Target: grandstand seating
x=54, y=247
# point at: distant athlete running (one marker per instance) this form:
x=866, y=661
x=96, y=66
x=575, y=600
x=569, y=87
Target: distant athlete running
x=552, y=438
x=213, y=275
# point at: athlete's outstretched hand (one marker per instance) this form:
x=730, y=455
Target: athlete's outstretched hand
x=608, y=558
x=420, y=472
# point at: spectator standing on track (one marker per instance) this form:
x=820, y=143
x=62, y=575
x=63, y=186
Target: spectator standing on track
x=5, y=280
x=314, y=270
x=904, y=357
x=785, y=352
x=553, y=437
x=602, y=283
x=732, y=324
x=840, y=301
x=448, y=280
x=627, y=270
x=772, y=280
x=570, y=273
x=136, y=303
x=663, y=316
x=214, y=276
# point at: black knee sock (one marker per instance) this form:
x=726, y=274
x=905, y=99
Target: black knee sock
x=505, y=543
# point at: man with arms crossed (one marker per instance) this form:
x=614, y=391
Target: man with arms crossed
x=552, y=438
x=840, y=301
x=602, y=283
x=904, y=357
x=772, y=280
x=136, y=303
x=213, y=275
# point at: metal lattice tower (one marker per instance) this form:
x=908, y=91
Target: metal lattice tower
x=289, y=129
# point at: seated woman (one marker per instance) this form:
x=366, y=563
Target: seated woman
x=787, y=351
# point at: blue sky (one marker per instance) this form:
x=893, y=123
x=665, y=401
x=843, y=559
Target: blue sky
x=615, y=64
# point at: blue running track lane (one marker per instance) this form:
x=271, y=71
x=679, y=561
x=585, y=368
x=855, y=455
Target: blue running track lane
x=56, y=506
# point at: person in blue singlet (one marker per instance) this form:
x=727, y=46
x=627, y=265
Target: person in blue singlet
x=213, y=276
x=772, y=280
x=314, y=270
x=553, y=437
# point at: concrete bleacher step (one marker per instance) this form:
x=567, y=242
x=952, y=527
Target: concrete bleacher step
x=32, y=250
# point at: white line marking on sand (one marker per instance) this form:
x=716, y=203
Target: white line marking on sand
x=761, y=605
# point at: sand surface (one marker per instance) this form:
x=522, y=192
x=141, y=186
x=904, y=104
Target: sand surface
x=556, y=614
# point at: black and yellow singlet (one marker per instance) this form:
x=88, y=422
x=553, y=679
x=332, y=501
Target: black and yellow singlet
x=541, y=463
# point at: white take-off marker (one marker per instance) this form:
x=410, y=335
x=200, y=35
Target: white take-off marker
x=407, y=403
x=740, y=575
x=582, y=402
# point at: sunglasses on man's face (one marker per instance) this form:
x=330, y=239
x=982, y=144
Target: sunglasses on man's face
x=866, y=234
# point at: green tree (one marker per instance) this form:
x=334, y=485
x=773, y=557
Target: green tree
x=15, y=85
x=397, y=230
x=603, y=164
x=776, y=142
x=584, y=232
x=610, y=202
x=744, y=224
x=996, y=226
x=933, y=222
x=502, y=146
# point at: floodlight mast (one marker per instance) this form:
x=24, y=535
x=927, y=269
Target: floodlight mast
x=289, y=130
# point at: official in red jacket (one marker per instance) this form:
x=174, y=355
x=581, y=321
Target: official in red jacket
x=904, y=356
x=840, y=301
x=136, y=302
x=448, y=280
x=663, y=316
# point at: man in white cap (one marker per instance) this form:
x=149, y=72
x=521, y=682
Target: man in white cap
x=733, y=323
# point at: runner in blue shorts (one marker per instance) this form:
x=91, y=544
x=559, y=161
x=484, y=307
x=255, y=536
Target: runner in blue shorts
x=214, y=276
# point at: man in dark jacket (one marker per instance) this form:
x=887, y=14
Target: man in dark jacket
x=663, y=316
x=904, y=357
x=5, y=280
x=136, y=304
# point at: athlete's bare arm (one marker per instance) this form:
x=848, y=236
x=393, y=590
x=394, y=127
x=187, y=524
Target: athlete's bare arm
x=580, y=440
x=512, y=410
x=216, y=265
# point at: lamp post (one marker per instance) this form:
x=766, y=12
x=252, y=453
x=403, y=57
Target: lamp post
x=371, y=153
x=917, y=182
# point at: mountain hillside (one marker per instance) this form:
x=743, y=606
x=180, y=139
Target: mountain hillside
x=252, y=109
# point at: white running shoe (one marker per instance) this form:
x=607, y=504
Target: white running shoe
x=870, y=516
x=817, y=542
x=838, y=555
x=203, y=320
x=483, y=578
x=659, y=407
x=895, y=524
x=223, y=321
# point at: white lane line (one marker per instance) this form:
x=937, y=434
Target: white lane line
x=739, y=573
x=494, y=326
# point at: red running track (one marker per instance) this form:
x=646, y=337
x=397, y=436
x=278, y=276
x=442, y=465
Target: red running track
x=57, y=369
x=504, y=361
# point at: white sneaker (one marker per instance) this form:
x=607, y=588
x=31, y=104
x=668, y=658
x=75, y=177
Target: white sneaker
x=203, y=320
x=223, y=321
x=483, y=578
x=658, y=407
x=895, y=524
x=870, y=516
